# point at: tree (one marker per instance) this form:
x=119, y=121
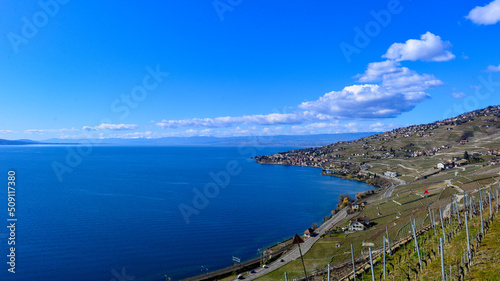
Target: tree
x=466, y=155
x=314, y=226
x=360, y=195
x=344, y=196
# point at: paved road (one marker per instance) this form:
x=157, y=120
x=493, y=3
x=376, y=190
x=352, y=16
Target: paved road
x=306, y=246
x=389, y=191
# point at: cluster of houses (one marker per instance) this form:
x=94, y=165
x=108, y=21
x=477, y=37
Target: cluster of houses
x=294, y=159
x=357, y=206
x=359, y=223
x=451, y=164
x=356, y=224
x=429, y=152
x=493, y=151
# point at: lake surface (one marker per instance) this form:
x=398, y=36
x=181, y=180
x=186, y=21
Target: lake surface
x=115, y=214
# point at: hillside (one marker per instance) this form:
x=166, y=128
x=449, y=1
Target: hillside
x=430, y=173
x=17, y=142
x=412, y=152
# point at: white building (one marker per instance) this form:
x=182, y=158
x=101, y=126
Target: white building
x=356, y=226
x=390, y=174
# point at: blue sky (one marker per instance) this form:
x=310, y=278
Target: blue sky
x=73, y=69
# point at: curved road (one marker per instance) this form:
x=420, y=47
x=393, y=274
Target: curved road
x=305, y=247
x=388, y=192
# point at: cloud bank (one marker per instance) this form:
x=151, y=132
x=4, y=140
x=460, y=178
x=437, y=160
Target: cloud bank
x=365, y=102
x=458, y=95
x=430, y=47
x=486, y=15
x=492, y=68
x=228, y=121
x=112, y=127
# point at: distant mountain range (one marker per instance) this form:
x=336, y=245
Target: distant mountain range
x=17, y=142
x=281, y=140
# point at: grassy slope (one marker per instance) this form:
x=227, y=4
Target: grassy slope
x=487, y=261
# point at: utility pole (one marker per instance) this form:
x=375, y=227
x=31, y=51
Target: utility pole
x=442, y=258
x=353, y=264
x=371, y=264
x=468, y=241
x=458, y=212
x=496, y=201
x=328, y=272
x=303, y=265
x=297, y=240
x=489, y=203
x=416, y=245
x=434, y=221
x=481, y=211
x=384, y=256
x=388, y=241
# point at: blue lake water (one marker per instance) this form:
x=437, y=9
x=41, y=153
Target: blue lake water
x=116, y=215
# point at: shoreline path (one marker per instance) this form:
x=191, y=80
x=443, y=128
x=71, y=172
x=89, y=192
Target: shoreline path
x=305, y=247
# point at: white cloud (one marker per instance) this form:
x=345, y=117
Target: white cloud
x=333, y=127
x=112, y=127
x=376, y=70
x=430, y=47
x=134, y=135
x=337, y=128
x=492, y=68
x=228, y=121
x=398, y=79
x=365, y=101
x=458, y=95
x=489, y=14
x=45, y=131
x=408, y=81
x=7, y=132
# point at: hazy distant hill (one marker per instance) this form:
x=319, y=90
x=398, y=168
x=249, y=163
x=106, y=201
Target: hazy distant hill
x=17, y=142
